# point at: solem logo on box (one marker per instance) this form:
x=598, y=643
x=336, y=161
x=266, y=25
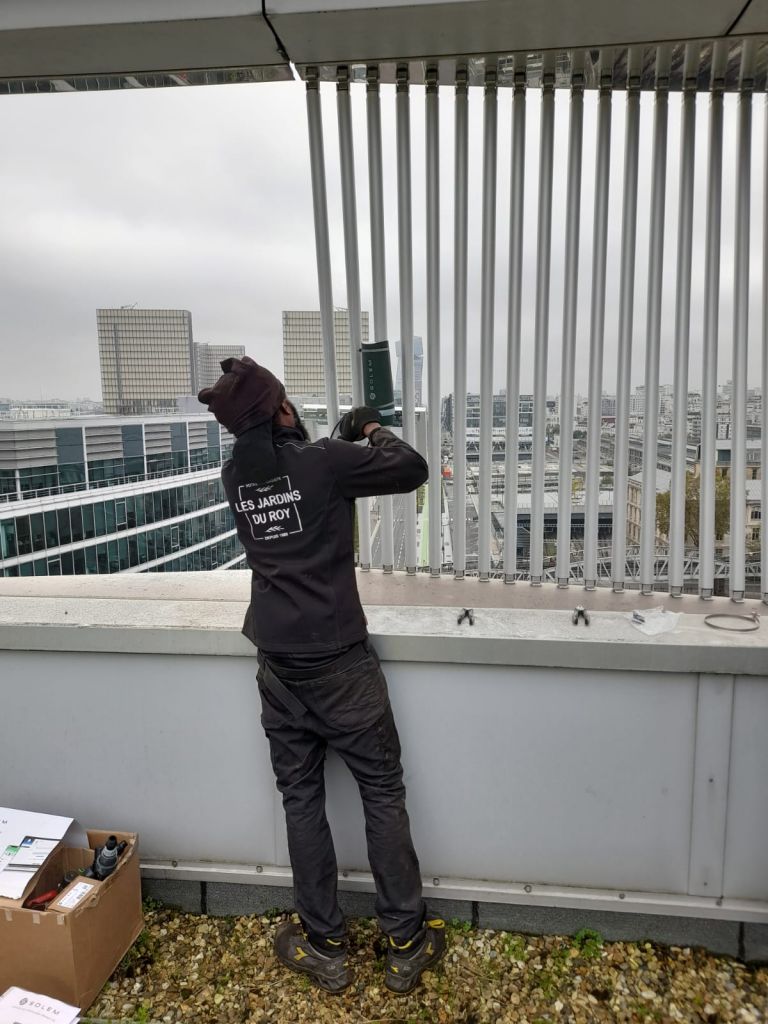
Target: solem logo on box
x=36, y=1005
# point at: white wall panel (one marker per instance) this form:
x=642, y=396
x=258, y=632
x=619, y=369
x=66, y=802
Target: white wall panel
x=746, y=847
x=169, y=747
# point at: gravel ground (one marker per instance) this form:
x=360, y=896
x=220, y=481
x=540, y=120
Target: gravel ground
x=195, y=968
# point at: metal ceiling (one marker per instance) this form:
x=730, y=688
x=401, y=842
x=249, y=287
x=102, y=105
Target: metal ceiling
x=83, y=45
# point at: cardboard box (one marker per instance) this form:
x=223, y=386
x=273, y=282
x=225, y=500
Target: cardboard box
x=69, y=950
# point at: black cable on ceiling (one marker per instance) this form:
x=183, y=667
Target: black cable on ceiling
x=278, y=41
x=738, y=18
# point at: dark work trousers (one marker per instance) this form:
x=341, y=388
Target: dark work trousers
x=348, y=711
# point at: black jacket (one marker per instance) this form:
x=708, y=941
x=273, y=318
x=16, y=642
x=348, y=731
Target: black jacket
x=297, y=531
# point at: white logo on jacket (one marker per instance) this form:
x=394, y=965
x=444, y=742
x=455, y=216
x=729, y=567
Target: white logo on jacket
x=271, y=509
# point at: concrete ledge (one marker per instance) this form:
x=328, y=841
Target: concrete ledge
x=224, y=899
x=747, y=941
x=756, y=943
x=192, y=613
x=717, y=936
x=172, y=892
x=375, y=588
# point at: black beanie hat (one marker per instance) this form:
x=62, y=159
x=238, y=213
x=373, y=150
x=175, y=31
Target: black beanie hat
x=244, y=400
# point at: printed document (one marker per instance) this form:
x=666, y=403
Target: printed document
x=18, y=1006
x=26, y=841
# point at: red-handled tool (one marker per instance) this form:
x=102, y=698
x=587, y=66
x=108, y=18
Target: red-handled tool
x=41, y=902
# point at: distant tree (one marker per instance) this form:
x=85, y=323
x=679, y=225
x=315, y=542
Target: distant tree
x=692, y=505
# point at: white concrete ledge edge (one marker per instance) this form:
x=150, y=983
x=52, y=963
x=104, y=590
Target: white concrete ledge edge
x=202, y=615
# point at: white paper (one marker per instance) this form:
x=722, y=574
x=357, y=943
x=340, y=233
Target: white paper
x=32, y=854
x=656, y=621
x=15, y=827
x=17, y=1006
x=13, y=883
x=75, y=895
x=7, y=853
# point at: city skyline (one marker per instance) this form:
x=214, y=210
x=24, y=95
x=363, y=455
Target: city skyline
x=218, y=246
x=578, y=396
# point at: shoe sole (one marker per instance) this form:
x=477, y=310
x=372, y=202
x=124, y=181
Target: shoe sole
x=324, y=983
x=427, y=967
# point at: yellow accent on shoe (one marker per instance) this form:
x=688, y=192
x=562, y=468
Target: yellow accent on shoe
x=405, y=945
x=437, y=923
x=394, y=969
x=332, y=942
x=430, y=951
x=300, y=953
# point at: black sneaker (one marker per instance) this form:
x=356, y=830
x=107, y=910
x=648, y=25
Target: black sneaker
x=293, y=948
x=405, y=964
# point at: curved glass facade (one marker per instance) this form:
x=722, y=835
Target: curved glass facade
x=121, y=497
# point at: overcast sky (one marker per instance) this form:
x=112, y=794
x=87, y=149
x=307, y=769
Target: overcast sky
x=199, y=198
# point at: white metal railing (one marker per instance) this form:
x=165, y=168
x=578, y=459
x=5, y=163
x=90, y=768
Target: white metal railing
x=740, y=321
x=461, y=202
x=516, y=211
x=405, y=254
x=681, y=70
x=597, y=319
x=626, y=309
x=87, y=492
x=488, y=264
x=349, y=206
x=379, y=282
x=711, y=314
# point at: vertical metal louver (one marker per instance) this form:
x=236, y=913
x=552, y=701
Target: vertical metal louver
x=674, y=74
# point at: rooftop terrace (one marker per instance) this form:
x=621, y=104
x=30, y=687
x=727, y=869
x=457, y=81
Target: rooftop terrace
x=553, y=769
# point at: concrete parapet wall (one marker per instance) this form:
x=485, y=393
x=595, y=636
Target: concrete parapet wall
x=551, y=769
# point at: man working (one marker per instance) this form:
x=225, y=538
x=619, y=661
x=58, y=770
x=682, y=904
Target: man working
x=320, y=680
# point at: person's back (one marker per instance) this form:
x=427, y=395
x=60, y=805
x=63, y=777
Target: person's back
x=319, y=678
x=298, y=532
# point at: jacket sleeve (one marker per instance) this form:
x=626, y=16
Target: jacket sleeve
x=386, y=465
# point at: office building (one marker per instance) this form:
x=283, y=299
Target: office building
x=418, y=370
x=106, y=494
x=303, y=365
x=146, y=357
x=499, y=414
x=608, y=407
x=208, y=359
x=149, y=359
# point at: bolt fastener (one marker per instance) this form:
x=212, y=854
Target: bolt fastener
x=435, y=881
x=528, y=888
x=259, y=869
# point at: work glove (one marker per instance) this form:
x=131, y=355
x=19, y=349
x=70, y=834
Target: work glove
x=353, y=422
